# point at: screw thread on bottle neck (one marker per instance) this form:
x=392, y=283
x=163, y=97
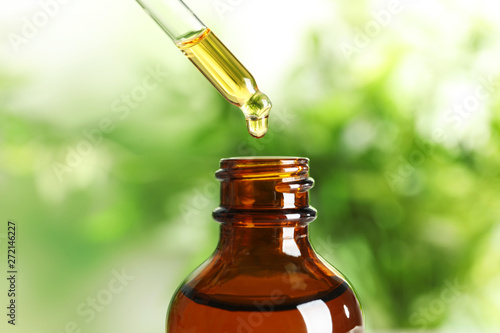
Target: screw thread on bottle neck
x=265, y=190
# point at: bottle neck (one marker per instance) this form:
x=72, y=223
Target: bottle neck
x=264, y=209
x=266, y=241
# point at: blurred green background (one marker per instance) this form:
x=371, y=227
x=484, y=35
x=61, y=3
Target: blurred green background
x=395, y=102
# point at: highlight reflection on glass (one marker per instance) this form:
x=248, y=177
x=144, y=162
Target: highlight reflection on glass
x=290, y=247
x=317, y=316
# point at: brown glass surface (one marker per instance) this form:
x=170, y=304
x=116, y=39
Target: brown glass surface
x=264, y=275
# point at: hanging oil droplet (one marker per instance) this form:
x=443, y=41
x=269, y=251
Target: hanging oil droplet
x=256, y=111
x=229, y=77
x=257, y=127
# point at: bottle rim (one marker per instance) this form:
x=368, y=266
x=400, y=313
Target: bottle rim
x=256, y=161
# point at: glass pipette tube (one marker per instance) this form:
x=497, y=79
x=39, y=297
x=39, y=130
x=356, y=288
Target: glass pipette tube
x=213, y=59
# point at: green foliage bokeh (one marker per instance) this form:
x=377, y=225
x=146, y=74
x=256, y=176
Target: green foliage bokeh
x=408, y=203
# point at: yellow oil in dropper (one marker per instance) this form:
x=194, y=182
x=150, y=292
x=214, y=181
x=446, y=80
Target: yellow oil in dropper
x=230, y=78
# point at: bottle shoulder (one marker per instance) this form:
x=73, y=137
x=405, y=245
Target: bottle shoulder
x=296, y=279
x=291, y=297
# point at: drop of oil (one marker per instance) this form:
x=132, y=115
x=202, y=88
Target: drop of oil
x=256, y=111
x=257, y=127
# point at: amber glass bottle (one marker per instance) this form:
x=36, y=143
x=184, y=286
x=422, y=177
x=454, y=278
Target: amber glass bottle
x=264, y=276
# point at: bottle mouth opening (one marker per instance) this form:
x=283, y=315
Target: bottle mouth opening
x=277, y=160
x=262, y=167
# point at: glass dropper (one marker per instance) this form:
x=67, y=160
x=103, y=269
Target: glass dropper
x=213, y=59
